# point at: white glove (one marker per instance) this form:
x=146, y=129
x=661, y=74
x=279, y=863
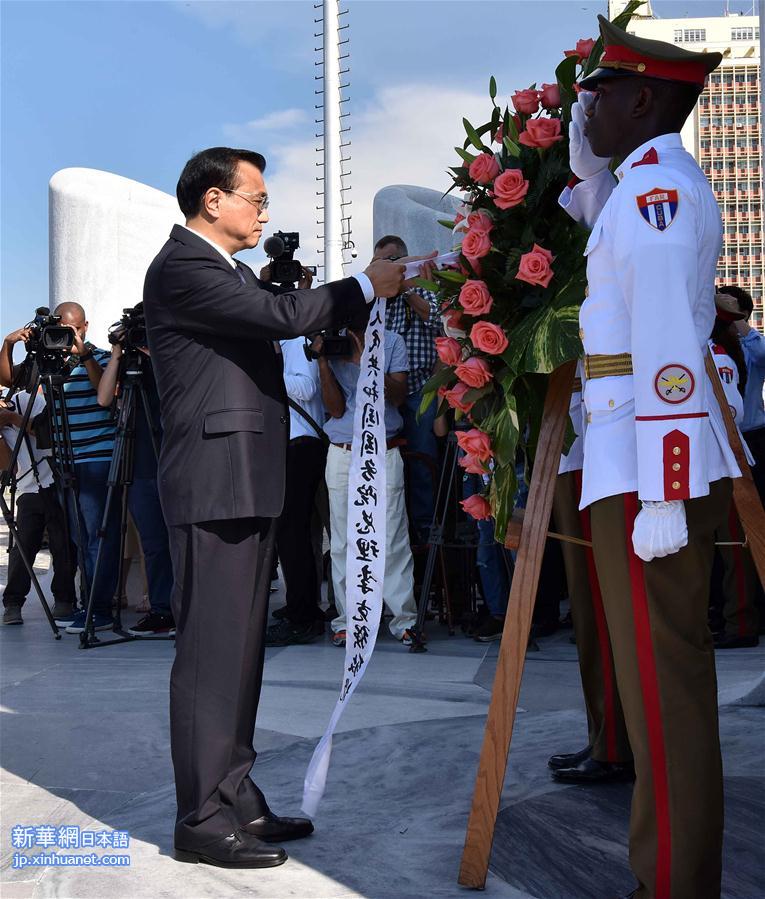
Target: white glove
x=660, y=529
x=584, y=163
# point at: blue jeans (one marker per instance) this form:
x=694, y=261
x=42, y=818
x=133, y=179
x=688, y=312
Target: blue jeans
x=420, y=439
x=492, y=560
x=143, y=501
x=92, y=489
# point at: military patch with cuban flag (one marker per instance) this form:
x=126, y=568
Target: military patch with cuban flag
x=658, y=207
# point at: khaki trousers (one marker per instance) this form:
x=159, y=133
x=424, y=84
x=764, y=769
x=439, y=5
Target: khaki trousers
x=665, y=672
x=605, y=720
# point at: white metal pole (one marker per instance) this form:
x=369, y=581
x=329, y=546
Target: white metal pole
x=333, y=224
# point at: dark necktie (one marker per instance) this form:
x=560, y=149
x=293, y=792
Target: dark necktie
x=240, y=272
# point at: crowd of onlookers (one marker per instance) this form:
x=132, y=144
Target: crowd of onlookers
x=322, y=390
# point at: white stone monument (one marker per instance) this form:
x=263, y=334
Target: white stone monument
x=412, y=213
x=104, y=230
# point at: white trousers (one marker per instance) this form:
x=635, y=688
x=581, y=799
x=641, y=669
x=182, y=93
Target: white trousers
x=398, y=586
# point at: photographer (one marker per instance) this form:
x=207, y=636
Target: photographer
x=37, y=508
x=339, y=377
x=143, y=496
x=92, y=444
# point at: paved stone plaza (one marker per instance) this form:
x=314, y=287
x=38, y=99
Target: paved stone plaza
x=85, y=741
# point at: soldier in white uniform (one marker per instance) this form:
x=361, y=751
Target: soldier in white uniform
x=657, y=464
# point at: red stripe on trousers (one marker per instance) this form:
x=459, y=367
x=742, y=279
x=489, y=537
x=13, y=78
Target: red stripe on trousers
x=649, y=686
x=609, y=688
x=738, y=571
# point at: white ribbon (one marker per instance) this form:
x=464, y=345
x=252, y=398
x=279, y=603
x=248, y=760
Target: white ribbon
x=365, y=560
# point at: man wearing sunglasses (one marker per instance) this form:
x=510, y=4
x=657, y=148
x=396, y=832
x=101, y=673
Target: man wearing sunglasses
x=213, y=331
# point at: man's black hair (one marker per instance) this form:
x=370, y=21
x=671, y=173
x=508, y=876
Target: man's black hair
x=216, y=167
x=745, y=302
x=392, y=239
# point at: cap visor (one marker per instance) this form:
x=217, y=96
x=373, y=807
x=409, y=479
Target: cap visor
x=591, y=81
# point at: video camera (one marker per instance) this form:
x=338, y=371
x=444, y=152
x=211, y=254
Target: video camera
x=334, y=346
x=281, y=248
x=48, y=346
x=130, y=330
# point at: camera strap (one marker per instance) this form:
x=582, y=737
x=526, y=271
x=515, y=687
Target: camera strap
x=311, y=421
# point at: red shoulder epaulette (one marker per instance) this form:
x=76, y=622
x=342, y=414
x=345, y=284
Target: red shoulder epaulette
x=719, y=350
x=651, y=157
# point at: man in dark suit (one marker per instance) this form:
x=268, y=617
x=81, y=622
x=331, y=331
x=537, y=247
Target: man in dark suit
x=212, y=328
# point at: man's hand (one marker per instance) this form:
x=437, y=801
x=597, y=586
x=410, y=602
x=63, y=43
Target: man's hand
x=426, y=269
x=10, y=418
x=660, y=529
x=78, y=346
x=386, y=277
x=317, y=345
x=306, y=278
x=16, y=336
x=583, y=162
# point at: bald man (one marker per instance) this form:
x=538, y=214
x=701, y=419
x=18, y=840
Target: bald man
x=92, y=438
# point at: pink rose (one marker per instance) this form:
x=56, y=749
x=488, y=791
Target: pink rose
x=484, y=168
x=472, y=465
x=488, y=338
x=475, y=298
x=480, y=221
x=526, y=101
x=550, y=96
x=475, y=443
x=454, y=324
x=499, y=135
x=535, y=267
x=459, y=218
x=584, y=47
x=456, y=397
x=510, y=189
x=476, y=244
x=449, y=351
x=477, y=507
x=542, y=133
x=474, y=372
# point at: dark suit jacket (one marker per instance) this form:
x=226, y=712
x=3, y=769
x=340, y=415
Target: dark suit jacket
x=224, y=406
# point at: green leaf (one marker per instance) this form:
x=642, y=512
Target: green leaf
x=511, y=147
x=467, y=157
x=504, y=487
x=447, y=223
x=492, y=87
x=427, y=285
x=454, y=277
x=473, y=137
x=429, y=392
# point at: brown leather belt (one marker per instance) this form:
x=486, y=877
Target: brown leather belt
x=389, y=444
x=604, y=366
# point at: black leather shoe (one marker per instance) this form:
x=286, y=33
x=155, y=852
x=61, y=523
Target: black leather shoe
x=237, y=850
x=592, y=772
x=569, y=760
x=733, y=641
x=273, y=829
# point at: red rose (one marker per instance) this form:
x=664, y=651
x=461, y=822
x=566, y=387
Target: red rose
x=510, y=189
x=476, y=443
x=476, y=244
x=542, y=133
x=526, y=101
x=550, y=96
x=477, y=507
x=475, y=298
x=535, y=267
x=456, y=397
x=584, y=47
x=472, y=465
x=488, y=338
x=480, y=221
x=449, y=351
x=474, y=372
x=484, y=168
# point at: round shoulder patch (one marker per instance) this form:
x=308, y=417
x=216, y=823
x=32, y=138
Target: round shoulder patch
x=674, y=383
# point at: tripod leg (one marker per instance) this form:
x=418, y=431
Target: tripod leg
x=507, y=681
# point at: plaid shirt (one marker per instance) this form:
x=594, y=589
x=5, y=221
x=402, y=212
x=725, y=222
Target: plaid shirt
x=419, y=335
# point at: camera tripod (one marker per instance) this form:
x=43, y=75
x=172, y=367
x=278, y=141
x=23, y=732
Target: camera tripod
x=52, y=382
x=447, y=499
x=133, y=392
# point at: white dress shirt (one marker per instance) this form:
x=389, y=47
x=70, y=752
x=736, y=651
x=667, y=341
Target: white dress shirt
x=301, y=378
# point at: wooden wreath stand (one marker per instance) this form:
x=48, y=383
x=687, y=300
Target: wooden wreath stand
x=529, y=538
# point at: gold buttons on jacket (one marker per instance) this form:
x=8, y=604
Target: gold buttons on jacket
x=675, y=485
x=676, y=450
x=676, y=466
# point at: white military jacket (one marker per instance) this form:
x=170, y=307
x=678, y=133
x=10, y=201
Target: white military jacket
x=651, y=261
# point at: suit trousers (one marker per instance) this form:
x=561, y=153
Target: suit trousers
x=665, y=672
x=222, y=573
x=606, y=729
x=740, y=580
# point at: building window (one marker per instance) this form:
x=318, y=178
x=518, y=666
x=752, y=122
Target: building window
x=691, y=35
x=743, y=34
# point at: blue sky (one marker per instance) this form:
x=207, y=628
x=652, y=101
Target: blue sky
x=135, y=87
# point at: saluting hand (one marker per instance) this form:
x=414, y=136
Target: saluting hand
x=583, y=162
